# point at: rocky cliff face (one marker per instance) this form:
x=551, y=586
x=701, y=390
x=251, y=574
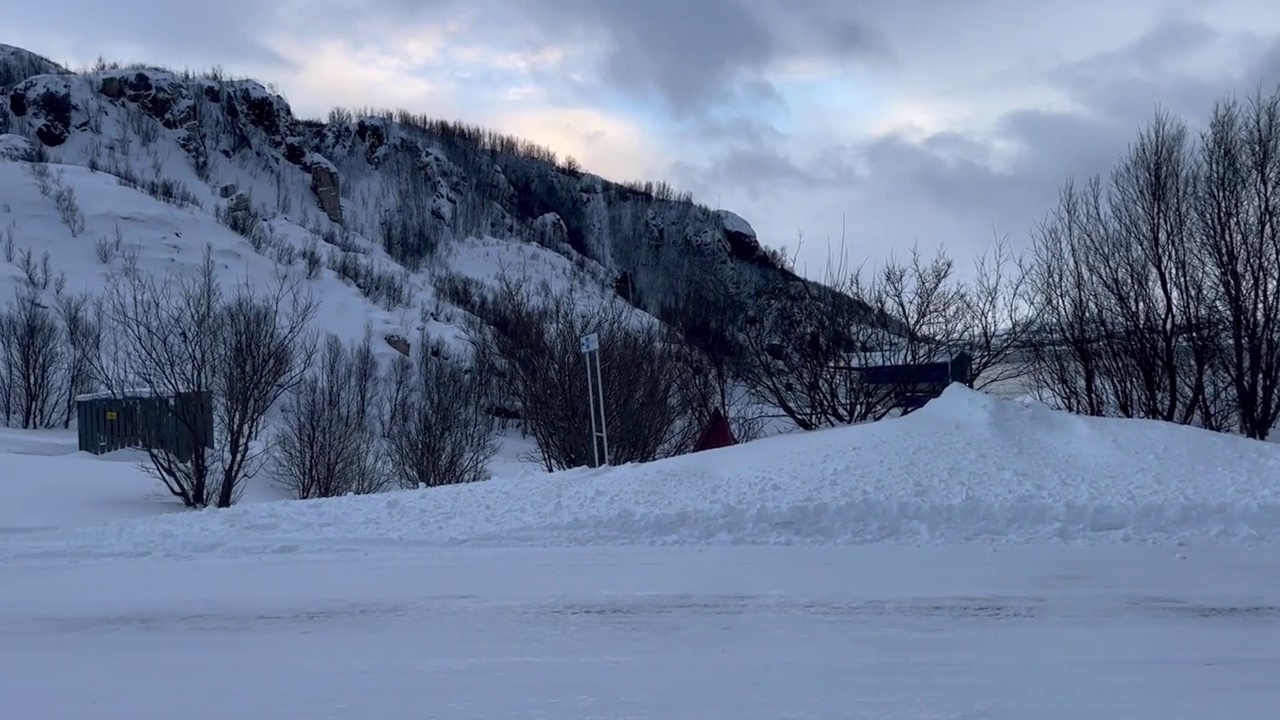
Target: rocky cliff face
x=408, y=183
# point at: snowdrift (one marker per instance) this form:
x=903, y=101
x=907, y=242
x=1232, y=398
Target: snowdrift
x=967, y=468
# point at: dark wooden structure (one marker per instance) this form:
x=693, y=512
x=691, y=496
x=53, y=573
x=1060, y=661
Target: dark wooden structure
x=178, y=424
x=909, y=387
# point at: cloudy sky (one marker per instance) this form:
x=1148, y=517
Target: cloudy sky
x=891, y=121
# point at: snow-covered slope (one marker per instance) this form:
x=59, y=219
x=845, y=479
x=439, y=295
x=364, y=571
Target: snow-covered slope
x=144, y=161
x=411, y=186
x=966, y=468
x=115, y=221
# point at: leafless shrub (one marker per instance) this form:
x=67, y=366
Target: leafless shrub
x=35, y=276
x=142, y=125
x=285, y=254
x=106, y=248
x=438, y=432
x=312, y=259
x=328, y=443
x=69, y=208
x=31, y=361
x=10, y=241
x=531, y=342
x=82, y=336
x=389, y=289
x=43, y=177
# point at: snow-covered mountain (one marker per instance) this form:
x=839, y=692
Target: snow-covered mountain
x=169, y=161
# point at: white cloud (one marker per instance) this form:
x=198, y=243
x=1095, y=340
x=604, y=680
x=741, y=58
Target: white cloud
x=335, y=73
x=605, y=144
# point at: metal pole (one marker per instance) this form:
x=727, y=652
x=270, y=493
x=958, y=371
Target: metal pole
x=604, y=425
x=595, y=448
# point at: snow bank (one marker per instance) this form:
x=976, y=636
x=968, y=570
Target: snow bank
x=967, y=468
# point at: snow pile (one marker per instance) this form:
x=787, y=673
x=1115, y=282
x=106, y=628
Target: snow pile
x=966, y=468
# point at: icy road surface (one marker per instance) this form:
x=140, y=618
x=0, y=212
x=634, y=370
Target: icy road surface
x=844, y=632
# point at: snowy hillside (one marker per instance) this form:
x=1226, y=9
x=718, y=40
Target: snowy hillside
x=405, y=230
x=115, y=222
x=408, y=185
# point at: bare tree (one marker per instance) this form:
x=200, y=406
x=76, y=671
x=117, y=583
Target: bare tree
x=531, y=340
x=1149, y=280
x=706, y=349
x=998, y=315
x=184, y=337
x=327, y=444
x=439, y=432
x=83, y=336
x=810, y=345
x=1129, y=312
x=1238, y=218
x=1065, y=355
x=801, y=343
x=31, y=360
x=267, y=350
x=165, y=340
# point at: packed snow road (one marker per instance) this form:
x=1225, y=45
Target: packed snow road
x=678, y=632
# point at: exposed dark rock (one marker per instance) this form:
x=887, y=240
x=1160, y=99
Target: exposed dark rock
x=293, y=152
x=111, y=87
x=261, y=112
x=46, y=99
x=325, y=185
x=399, y=343
x=52, y=135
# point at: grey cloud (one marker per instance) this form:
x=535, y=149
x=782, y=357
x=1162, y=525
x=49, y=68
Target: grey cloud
x=215, y=34
x=703, y=63
x=1129, y=83
x=692, y=56
x=754, y=172
x=686, y=51
x=948, y=187
x=1266, y=68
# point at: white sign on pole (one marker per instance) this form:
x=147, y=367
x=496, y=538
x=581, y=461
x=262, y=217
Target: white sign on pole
x=595, y=397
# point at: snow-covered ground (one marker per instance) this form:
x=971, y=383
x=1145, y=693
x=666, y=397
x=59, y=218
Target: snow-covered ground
x=671, y=633
x=981, y=558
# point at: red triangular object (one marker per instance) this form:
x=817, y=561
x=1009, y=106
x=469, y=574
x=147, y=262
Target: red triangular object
x=716, y=434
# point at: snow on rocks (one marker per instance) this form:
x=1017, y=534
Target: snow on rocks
x=968, y=468
x=14, y=147
x=734, y=223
